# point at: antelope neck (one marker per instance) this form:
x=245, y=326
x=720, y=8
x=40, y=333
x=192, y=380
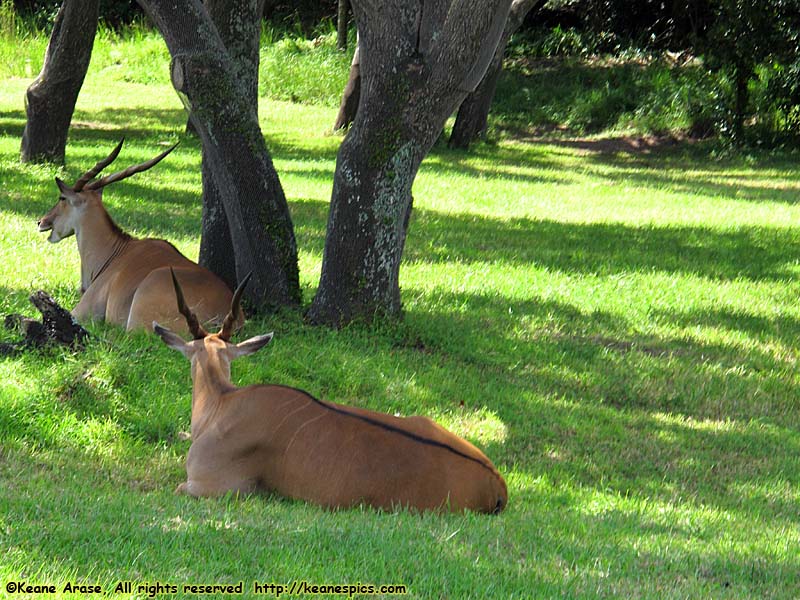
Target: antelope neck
x=99, y=243
x=210, y=380
x=119, y=246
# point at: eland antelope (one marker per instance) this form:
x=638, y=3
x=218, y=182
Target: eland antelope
x=125, y=280
x=280, y=439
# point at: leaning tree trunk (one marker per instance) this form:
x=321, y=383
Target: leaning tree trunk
x=418, y=62
x=239, y=25
x=741, y=75
x=205, y=78
x=216, y=247
x=50, y=99
x=472, y=119
x=473, y=114
x=350, y=97
x=341, y=24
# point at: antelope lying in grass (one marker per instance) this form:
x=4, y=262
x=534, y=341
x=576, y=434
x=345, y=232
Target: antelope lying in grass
x=277, y=438
x=125, y=280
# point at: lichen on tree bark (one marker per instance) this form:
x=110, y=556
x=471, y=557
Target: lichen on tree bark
x=222, y=112
x=50, y=99
x=416, y=61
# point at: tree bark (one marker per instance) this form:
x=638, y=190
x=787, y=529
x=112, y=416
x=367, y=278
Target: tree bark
x=341, y=24
x=216, y=247
x=473, y=114
x=741, y=75
x=350, y=97
x=205, y=77
x=418, y=62
x=50, y=99
x=238, y=23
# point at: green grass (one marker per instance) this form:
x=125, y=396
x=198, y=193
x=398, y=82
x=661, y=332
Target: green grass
x=596, y=95
x=617, y=330
x=291, y=68
x=308, y=71
x=580, y=95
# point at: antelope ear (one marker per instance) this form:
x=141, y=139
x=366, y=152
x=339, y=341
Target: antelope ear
x=254, y=344
x=67, y=192
x=172, y=339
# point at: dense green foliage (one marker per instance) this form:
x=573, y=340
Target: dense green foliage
x=746, y=50
x=692, y=67
x=119, y=14
x=755, y=42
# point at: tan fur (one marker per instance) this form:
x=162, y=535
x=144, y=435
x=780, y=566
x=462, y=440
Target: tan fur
x=125, y=280
x=280, y=439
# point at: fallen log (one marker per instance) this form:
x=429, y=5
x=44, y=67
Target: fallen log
x=57, y=326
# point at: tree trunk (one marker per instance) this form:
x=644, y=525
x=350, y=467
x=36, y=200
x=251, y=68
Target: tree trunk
x=206, y=80
x=50, y=99
x=418, y=63
x=741, y=75
x=370, y=208
x=216, y=247
x=341, y=24
x=473, y=114
x=238, y=23
x=352, y=92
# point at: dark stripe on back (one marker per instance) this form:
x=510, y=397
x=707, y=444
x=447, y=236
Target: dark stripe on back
x=392, y=428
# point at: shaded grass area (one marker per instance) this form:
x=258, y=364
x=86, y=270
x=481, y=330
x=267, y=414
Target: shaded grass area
x=582, y=95
x=617, y=330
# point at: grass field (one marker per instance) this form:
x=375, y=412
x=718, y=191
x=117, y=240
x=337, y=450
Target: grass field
x=617, y=330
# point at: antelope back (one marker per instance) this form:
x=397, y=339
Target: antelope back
x=340, y=456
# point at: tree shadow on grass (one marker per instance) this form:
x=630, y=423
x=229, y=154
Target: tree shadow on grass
x=12, y=123
x=509, y=162
x=779, y=328
x=99, y=124
x=758, y=253
x=681, y=172
x=587, y=396
x=543, y=529
x=108, y=126
x=111, y=124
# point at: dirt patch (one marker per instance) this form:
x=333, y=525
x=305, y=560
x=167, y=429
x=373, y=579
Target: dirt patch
x=624, y=346
x=640, y=144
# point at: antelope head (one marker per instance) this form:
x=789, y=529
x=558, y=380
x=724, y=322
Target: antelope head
x=211, y=350
x=75, y=201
